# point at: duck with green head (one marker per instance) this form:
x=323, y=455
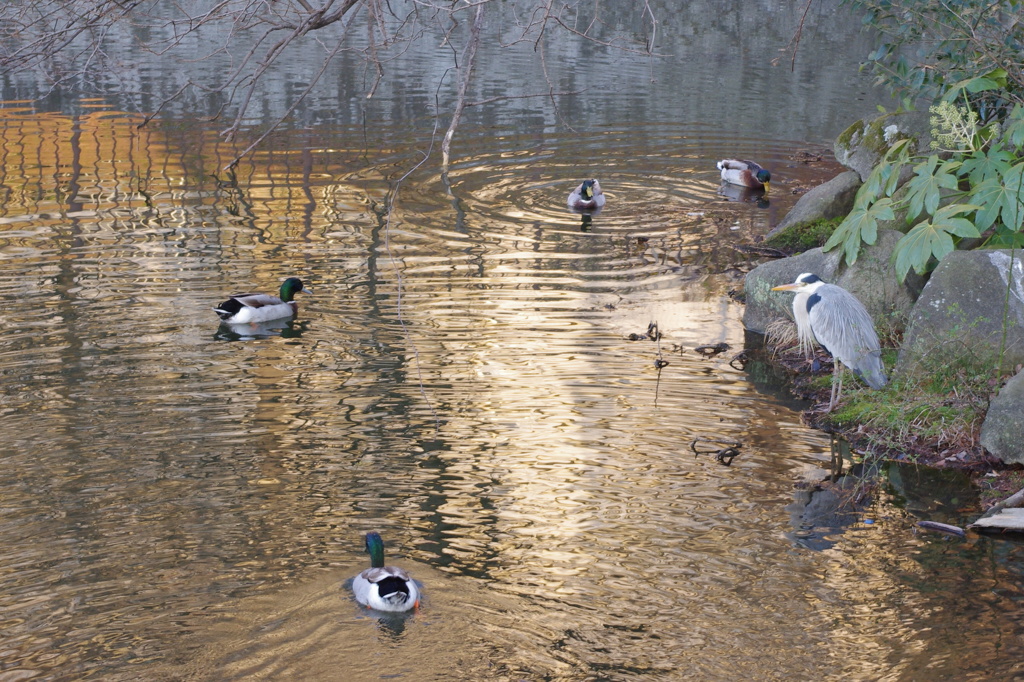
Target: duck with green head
x=384, y=588
x=248, y=308
x=744, y=173
x=587, y=196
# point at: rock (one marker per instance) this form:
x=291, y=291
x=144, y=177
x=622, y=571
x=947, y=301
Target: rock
x=959, y=315
x=862, y=145
x=763, y=306
x=1002, y=433
x=826, y=201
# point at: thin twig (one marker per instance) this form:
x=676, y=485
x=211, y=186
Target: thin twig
x=465, y=71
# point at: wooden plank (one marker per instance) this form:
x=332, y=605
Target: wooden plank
x=1005, y=519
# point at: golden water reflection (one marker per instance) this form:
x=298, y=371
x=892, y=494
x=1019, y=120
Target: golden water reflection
x=185, y=502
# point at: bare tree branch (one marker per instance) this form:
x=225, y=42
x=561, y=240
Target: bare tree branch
x=465, y=72
x=70, y=40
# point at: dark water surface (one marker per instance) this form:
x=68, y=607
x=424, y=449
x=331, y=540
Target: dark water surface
x=180, y=500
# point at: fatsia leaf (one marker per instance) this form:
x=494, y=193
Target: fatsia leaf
x=924, y=191
x=916, y=248
x=860, y=226
x=1003, y=238
x=1012, y=206
x=989, y=195
x=981, y=166
x=946, y=219
x=1014, y=131
x=875, y=183
x=884, y=177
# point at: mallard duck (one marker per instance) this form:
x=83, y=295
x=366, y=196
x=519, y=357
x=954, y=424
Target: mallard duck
x=246, y=308
x=745, y=173
x=587, y=197
x=385, y=588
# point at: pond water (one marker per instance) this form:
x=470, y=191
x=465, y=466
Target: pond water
x=472, y=376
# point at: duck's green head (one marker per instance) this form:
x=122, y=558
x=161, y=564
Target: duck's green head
x=292, y=286
x=764, y=177
x=587, y=190
x=375, y=548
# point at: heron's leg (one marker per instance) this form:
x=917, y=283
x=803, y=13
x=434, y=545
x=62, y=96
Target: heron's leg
x=837, y=383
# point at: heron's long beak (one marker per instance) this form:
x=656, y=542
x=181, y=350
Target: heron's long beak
x=788, y=287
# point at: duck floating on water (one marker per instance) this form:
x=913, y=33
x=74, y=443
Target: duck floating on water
x=384, y=588
x=744, y=173
x=587, y=197
x=247, y=308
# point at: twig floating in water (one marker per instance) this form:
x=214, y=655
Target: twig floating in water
x=740, y=360
x=711, y=350
x=942, y=528
x=722, y=455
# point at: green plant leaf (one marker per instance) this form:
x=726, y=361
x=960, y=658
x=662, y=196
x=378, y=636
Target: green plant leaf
x=1004, y=238
x=982, y=165
x=1014, y=131
x=1011, y=209
x=860, y=226
x=924, y=191
x=933, y=239
x=884, y=177
x=993, y=80
x=990, y=196
x=946, y=218
x=917, y=247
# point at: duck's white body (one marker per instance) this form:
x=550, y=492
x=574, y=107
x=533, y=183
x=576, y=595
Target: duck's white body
x=388, y=588
x=255, y=308
x=744, y=173
x=586, y=197
x=384, y=588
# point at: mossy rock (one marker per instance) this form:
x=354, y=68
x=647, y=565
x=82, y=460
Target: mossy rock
x=863, y=144
x=832, y=199
x=803, y=236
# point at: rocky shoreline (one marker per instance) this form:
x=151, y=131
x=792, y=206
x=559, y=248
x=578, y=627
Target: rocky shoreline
x=967, y=313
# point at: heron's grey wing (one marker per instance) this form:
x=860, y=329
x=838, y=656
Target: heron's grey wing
x=842, y=324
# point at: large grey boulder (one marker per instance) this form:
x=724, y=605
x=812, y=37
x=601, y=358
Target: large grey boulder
x=1002, y=434
x=764, y=306
x=960, y=313
x=832, y=199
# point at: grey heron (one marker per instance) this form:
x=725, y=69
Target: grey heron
x=842, y=326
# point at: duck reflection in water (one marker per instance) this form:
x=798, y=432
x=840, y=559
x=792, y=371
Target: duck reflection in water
x=744, y=194
x=251, y=331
